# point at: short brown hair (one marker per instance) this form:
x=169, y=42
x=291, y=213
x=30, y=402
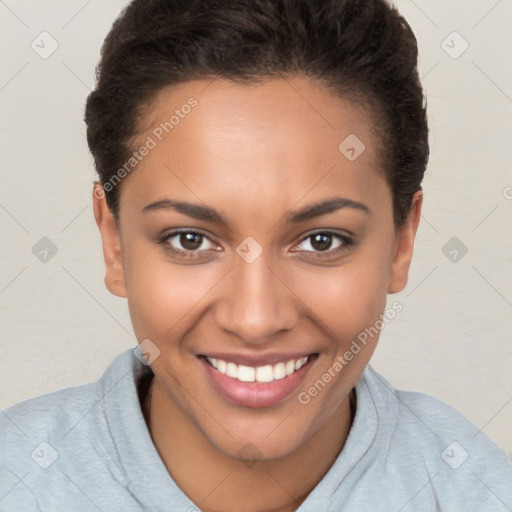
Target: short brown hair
x=360, y=48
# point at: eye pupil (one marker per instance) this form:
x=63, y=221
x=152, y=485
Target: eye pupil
x=190, y=241
x=321, y=241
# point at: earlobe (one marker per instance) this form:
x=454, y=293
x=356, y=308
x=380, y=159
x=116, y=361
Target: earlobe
x=111, y=241
x=404, y=246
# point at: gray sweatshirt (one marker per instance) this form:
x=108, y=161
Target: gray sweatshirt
x=87, y=448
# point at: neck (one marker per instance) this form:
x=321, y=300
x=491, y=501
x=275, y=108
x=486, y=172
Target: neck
x=211, y=479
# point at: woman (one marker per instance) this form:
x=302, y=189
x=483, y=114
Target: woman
x=260, y=169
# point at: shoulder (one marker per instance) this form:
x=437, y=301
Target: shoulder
x=421, y=413
x=38, y=415
x=55, y=445
x=31, y=433
x=424, y=432
x=35, y=421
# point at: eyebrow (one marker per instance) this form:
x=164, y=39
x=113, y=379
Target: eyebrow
x=208, y=213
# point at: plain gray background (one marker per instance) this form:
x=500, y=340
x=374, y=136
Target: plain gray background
x=61, y=327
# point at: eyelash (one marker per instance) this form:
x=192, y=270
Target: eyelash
x=346, y=243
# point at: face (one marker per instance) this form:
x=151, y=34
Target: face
x=253, y=252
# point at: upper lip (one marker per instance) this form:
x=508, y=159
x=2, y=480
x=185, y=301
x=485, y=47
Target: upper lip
x=257, y=359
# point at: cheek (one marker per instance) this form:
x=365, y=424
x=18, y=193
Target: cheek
x=162, y=296
x=347, y=299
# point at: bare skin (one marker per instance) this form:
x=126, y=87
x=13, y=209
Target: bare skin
x=256, y=154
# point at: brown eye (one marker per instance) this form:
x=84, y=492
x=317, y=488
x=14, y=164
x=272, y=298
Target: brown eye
x=321, y=241
x=187, y=242
x=191, y=241
x=325, y=242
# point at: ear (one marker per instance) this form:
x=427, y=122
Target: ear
x=404, y=246
x=111, y=240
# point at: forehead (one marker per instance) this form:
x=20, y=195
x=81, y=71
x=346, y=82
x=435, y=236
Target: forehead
x=278, y=140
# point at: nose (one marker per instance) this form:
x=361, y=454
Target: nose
x=255, y=303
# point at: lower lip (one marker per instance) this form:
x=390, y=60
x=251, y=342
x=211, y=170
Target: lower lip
x=256, y=394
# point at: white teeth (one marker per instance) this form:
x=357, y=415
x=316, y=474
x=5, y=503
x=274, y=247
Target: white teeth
x=300, y=363
x=246, y=373
x=279, y=371
x=266, y=373
x=221, y=365
x=232, y=370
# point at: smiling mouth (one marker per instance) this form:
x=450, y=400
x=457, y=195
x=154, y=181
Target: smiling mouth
x=262, y=374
